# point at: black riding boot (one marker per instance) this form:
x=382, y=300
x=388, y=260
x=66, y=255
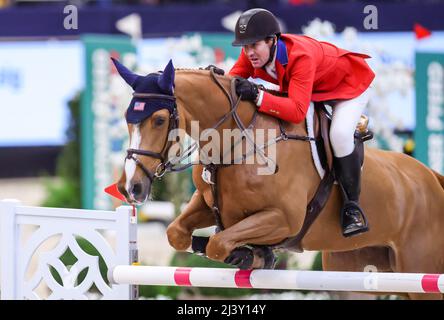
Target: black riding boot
x=348, y=175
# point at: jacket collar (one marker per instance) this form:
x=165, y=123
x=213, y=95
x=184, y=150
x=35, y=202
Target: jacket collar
x=280, y=60
x=281, y=55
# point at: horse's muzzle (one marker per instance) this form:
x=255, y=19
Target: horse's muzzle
x=137, y=191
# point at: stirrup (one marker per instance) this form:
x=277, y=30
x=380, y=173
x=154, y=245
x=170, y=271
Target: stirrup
x=358, y=230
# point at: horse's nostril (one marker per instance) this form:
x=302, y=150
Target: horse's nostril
x=137, y=189
x=122, y=190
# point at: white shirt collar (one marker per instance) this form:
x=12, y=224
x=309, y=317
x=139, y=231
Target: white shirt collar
x=270, y=68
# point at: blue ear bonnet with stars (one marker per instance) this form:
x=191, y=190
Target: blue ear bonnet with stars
x=141, y=108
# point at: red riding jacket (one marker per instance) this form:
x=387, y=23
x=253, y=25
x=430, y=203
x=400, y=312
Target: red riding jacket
x=309, y=70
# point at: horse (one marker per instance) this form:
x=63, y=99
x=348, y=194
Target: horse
x=402, y=198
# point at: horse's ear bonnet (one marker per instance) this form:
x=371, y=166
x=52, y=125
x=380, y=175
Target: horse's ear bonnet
x=158, y=83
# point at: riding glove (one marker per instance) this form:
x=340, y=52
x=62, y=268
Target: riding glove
x=246, y=90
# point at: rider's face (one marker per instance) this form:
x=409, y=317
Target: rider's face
x=258, y=53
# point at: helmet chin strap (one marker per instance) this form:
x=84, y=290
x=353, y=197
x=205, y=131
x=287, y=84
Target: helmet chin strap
x=272, y=52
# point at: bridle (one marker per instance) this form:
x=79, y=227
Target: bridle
x=173, y=124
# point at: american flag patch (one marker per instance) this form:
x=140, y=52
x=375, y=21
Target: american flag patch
x=139, y=106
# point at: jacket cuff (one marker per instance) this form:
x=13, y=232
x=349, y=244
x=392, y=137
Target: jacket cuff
x=260, y=98
x=267, y=104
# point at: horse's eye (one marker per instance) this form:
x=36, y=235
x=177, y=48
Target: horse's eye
x=159, y=121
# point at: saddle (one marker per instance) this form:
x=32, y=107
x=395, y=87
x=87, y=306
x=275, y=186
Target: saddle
x=322, y=123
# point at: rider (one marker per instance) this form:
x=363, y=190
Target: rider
x=309, y=70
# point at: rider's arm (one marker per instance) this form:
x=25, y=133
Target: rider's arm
x=293, y=108
x=242, y=67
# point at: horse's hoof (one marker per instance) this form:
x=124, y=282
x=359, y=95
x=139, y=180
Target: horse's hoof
x=242, y=258
x=267, y=255
x=199, y=244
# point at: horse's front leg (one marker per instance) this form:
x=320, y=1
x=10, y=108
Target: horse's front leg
x=196, y=215
x=262, y=228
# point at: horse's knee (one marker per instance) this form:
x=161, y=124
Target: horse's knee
x=217, y=248
x=178, y=237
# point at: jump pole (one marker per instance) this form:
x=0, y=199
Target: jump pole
x=278, y=279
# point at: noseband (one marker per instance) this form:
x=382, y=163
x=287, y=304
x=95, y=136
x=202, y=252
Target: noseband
x=173, y=124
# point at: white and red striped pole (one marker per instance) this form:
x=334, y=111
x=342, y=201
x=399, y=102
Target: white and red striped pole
x=279, y=279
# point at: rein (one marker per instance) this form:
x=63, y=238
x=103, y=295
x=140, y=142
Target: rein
x=170, y=166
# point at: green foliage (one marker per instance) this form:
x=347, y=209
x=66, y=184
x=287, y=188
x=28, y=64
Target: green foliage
x=69, y=259
x=65, y=193
x=156, y=291
x=175, y=187
x=317, y=263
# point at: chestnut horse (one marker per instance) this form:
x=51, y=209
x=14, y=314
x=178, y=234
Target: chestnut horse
x=402, y=198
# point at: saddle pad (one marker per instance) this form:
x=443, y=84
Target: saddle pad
x=310, y=131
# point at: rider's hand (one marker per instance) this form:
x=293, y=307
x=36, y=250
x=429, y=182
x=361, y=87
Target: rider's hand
x=216, y=69
x=246, y=90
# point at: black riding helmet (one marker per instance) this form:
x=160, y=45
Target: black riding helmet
x=254, y=25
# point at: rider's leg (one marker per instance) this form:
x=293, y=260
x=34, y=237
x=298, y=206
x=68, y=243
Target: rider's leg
x=346, y=115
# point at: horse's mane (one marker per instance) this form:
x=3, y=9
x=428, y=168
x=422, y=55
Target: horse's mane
x=273, y=92
x=189, y=69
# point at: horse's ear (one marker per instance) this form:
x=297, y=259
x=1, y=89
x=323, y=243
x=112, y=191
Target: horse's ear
x=127, y=75
x=166, y=79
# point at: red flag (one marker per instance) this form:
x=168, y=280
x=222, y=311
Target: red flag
x=421, y=32
x=113, y=191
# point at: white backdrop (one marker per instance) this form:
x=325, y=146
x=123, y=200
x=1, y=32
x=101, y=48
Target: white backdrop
x=37, y=79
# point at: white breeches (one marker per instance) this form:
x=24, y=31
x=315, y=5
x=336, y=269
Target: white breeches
x=346, y=115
